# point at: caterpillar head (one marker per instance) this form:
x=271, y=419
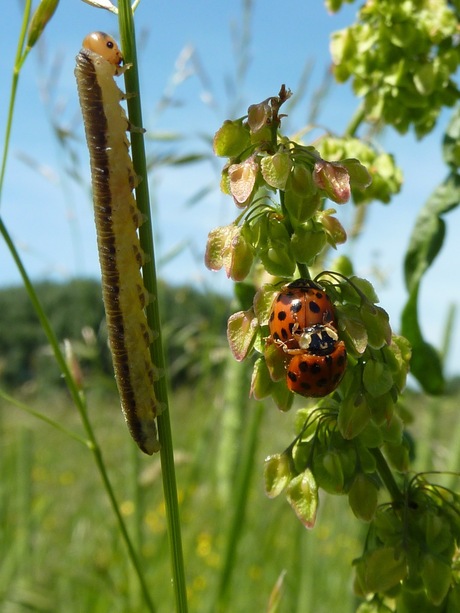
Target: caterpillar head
x=105, y=46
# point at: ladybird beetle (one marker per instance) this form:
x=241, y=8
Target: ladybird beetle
x=314, y=375
x=299, y=305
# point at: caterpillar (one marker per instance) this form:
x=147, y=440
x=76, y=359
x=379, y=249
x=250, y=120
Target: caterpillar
x=117, y=220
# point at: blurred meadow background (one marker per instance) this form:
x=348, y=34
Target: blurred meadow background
x=200, y=63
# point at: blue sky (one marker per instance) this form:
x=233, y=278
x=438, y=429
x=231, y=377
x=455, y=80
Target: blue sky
x=49, y=215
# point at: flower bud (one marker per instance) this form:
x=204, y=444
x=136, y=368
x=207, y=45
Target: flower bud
x=217, y=240
x=335, y=231
x=377, y=322
x=307, y=244
x=377, y=378
x=302, y=495
x=73, y=364
x=275, y=169
x=227, y=247
x=363, y=497
x=359, y=175
x=437, y=576
x=261, y=382
x=242, y=179
x=328, y=472
x=240, y=257
x=231, y=139
x=381, y=569
x=277, y=474
x=275, y=359
x=354, y=415
x=333, y=179
x=258, y=116
x=241, y=332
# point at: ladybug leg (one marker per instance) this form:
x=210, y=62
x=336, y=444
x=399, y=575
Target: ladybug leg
x=294, y=351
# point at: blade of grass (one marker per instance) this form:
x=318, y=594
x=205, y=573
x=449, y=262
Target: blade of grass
x=240, y=499
x=128, y=43
x=14, y=87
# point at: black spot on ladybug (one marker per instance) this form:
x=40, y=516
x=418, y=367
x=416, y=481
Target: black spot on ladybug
x=281, y=315
x=322, y=382
x=314, y=307
x=296, y=306
x=316, y=369
x=292, y=376
x=303, y=367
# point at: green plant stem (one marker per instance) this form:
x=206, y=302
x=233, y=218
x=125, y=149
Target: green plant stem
x=42, y=416
x=356, y=121
x=128, y=41
x=303, y=268
x=303, y=271
x=386, y=475
x=19, y=59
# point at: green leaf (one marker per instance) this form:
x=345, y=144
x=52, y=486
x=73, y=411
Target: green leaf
x=429, y=231
x=377, y=378
x=354, y=415
x=307, y=244
x=40, y=18
x=276, y=474
x=241, y=332
x=275, y=360
x=328, y=472
x=231, y=139
x=215, y=246
x=263, y=302
x=425, y=362
x=437, y=576
x=380, y=570
x=261, y=382
x=425, y=244
x=359, y=175
x=362, y=497
x=451, y=144
x=275, y=169
x=302, y=495
x=281, y=395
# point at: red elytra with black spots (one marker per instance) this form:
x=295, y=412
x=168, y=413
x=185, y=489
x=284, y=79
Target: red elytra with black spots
x=299, y=305
x=314, y=375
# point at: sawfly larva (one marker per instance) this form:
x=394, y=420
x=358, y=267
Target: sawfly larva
x=117, y=220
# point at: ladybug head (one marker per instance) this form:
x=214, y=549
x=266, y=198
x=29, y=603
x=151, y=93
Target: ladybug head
x=318, y=339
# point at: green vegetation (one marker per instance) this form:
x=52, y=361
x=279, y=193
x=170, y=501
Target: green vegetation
x=60, y=544
x=87, y=524
x=76, y=313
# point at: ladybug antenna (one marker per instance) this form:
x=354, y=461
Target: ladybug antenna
x=338, y=275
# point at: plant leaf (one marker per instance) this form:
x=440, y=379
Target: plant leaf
x=425, y=361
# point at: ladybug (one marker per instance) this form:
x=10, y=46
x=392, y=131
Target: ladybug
x=299, y=305
x=317, y=375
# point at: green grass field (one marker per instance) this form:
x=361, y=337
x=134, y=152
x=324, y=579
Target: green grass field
x=61, y=548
